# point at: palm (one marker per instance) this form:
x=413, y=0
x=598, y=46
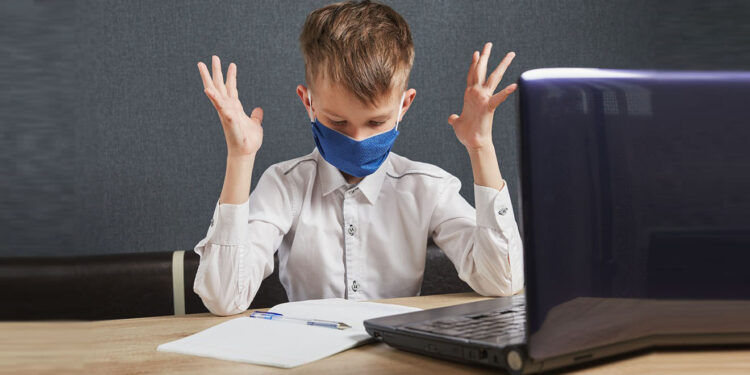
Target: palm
x=476, y=106
x=243, y=133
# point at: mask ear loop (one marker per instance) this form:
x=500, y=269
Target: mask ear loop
x=400, y=106
x=309, y=113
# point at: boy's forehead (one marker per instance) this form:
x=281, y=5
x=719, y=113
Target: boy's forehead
x=335, y=97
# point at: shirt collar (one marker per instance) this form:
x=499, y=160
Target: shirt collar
x=331, y=178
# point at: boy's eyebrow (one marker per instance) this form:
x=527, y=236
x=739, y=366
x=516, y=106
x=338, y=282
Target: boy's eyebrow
x=373, y=118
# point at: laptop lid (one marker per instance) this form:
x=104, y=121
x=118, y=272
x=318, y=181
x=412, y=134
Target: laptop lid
x=635, y=207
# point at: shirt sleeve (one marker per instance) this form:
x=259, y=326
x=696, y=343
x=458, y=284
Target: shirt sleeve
x=484, y=244
x=237, y=252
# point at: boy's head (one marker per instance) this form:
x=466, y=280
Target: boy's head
x=358, y=56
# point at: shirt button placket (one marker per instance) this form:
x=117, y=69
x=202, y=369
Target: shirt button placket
x=351, y=242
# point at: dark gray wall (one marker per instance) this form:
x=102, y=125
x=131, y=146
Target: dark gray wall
x=109, y=145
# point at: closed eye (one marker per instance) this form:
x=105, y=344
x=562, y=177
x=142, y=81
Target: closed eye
x=372, y=123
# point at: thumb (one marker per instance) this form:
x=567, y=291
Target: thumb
x=257, y=114
x=452, y=119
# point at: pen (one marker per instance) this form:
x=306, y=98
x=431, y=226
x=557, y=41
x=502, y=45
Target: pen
x=311, y=322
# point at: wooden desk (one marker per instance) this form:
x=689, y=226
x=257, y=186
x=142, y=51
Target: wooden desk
x=127, y=346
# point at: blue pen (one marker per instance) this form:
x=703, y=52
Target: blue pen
x=311, y=322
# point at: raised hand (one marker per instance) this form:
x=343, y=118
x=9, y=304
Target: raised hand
x=474, y=127
x=243, y=134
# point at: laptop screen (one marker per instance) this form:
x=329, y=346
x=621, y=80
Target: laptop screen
x=635, y=205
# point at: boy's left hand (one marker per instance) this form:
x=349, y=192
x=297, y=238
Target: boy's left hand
x=474, y=127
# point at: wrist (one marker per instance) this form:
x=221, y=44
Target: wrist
x=240, y=159
x=485, y=166
x=483, y=148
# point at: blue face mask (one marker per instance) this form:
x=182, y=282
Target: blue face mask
x=357, y=158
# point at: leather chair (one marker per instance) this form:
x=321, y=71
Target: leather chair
x=135, y=285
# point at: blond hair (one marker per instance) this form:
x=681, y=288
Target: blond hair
x=366, y=47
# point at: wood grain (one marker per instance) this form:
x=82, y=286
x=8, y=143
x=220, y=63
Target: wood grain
x=127, y=346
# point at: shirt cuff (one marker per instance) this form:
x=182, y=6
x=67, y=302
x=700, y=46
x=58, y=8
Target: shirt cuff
x=229, y=223
x=494, y=209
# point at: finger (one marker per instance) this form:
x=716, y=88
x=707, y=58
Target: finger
x=257, y=114
x=500, y=97
x=205, y=75
x=471, y=77
x=482, y=65
x=232, y=80
x=218, y=76
x=497, y=75
x=213, y=97
x=452, y=119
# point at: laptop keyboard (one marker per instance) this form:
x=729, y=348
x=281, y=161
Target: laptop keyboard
x=501, y=326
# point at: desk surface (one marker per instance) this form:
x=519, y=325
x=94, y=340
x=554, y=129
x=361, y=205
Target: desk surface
x=129, y=345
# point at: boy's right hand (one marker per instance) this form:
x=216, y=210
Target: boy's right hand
x=243, y=134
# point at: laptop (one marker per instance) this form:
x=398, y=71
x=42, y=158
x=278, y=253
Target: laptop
x=635, y=213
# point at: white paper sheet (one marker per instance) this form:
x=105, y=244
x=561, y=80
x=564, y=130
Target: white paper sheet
x=283, y=343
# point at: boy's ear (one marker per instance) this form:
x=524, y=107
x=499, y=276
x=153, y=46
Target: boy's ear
x=408, y=99
x=303, y=94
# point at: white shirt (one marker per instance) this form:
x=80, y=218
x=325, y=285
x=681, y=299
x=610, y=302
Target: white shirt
x=367, y=241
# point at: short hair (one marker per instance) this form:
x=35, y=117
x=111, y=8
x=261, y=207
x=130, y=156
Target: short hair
x=366, y=47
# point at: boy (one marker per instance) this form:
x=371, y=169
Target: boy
x=352, y=219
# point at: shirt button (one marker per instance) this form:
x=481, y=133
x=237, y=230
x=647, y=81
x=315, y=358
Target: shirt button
x=351, y=230
x=355, y=286
x=502, y=211
x=212, y=223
